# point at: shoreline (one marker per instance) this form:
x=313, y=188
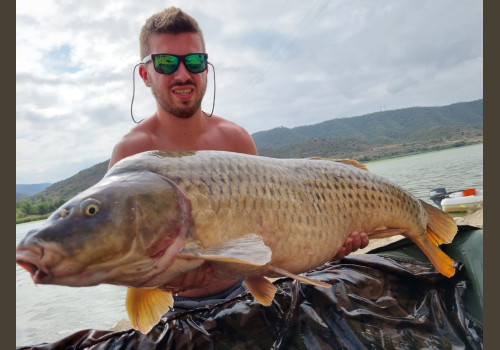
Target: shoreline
x=472, y=219
x=416, y=153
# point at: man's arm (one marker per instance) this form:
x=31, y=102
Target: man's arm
x=117, y=154
x=202, y=276
x=132, y=143
x=238, y=139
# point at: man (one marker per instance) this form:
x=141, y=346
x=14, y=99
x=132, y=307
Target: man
x=178, y=84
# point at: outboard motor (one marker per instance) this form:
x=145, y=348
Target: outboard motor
x=437, y=195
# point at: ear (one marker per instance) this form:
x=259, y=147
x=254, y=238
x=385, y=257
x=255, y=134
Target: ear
x=144, y=75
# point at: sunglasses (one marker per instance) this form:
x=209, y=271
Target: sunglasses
x=165, y=63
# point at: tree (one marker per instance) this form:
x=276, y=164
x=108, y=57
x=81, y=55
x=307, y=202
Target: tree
x=43, y=208
x=27, y=208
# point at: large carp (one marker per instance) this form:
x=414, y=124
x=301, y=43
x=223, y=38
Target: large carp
x=156, y=215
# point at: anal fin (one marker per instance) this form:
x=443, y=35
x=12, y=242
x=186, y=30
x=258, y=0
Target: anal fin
x=303, y=279
x=388, y=232
x=262, y=290
x=146, y=306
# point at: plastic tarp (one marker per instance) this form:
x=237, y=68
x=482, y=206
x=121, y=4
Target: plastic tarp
x=376, y=302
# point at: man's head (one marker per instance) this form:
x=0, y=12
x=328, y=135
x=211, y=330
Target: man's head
x=178, y=91
x=169, y=21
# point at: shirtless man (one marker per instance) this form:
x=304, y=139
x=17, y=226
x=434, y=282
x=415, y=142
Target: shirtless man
x=178, y=84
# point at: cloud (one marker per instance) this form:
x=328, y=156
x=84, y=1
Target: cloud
x=277, y=63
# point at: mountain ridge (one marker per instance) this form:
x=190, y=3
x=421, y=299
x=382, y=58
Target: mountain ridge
x=377, y=125
x=369, y=137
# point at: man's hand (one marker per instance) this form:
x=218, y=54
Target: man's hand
x=194, y=279
x=202, y=276
x=354, y=242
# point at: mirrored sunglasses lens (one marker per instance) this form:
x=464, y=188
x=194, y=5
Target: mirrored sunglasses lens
x=196, y=63
x=166, y=64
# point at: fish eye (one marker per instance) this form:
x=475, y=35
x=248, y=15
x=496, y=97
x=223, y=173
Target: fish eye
x=91, y=209
x=90, y=206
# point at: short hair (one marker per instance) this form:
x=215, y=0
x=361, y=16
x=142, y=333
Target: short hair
x=170, y=21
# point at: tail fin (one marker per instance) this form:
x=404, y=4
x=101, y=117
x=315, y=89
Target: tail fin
x=441, y=228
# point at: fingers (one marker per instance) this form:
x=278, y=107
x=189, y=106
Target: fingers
x=340, y=255
x=345, y=250
x=207, y=276
x=356, y=240
x=198, y=278
x=359, y=240
x=364, y=240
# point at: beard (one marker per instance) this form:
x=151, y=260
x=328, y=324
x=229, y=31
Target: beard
x=187, y=108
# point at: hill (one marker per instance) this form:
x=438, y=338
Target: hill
x=75, y=184
x=376, y=135
x=25, y=190
x=21, y=196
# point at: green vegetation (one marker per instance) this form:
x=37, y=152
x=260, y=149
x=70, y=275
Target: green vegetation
x=71, y=186
x=42, y=204
x=31, y=218
x=26, y=210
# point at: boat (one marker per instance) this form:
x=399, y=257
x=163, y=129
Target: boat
x=467, y=200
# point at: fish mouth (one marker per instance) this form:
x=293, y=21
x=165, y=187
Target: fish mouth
x=50, y=265
x=30, y=259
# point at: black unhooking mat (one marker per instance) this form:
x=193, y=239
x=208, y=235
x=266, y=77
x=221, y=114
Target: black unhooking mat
x=376, y=302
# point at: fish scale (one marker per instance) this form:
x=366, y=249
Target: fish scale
x=283, y=200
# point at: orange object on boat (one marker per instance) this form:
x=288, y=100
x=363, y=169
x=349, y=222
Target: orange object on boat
x=469, y=192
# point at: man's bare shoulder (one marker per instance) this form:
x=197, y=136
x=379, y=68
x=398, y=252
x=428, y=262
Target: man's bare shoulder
x=138, y=139
x=234, y=137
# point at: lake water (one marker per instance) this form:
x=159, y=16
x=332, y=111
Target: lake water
x=47, y=313
x=455, y=169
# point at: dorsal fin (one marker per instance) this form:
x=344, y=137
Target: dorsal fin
x=352, y=162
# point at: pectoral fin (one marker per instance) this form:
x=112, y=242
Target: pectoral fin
x=146, y=306
x=262, y=290
x=304, y=279
x=249, y=249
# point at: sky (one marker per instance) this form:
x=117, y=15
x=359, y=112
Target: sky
x=277, y=63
